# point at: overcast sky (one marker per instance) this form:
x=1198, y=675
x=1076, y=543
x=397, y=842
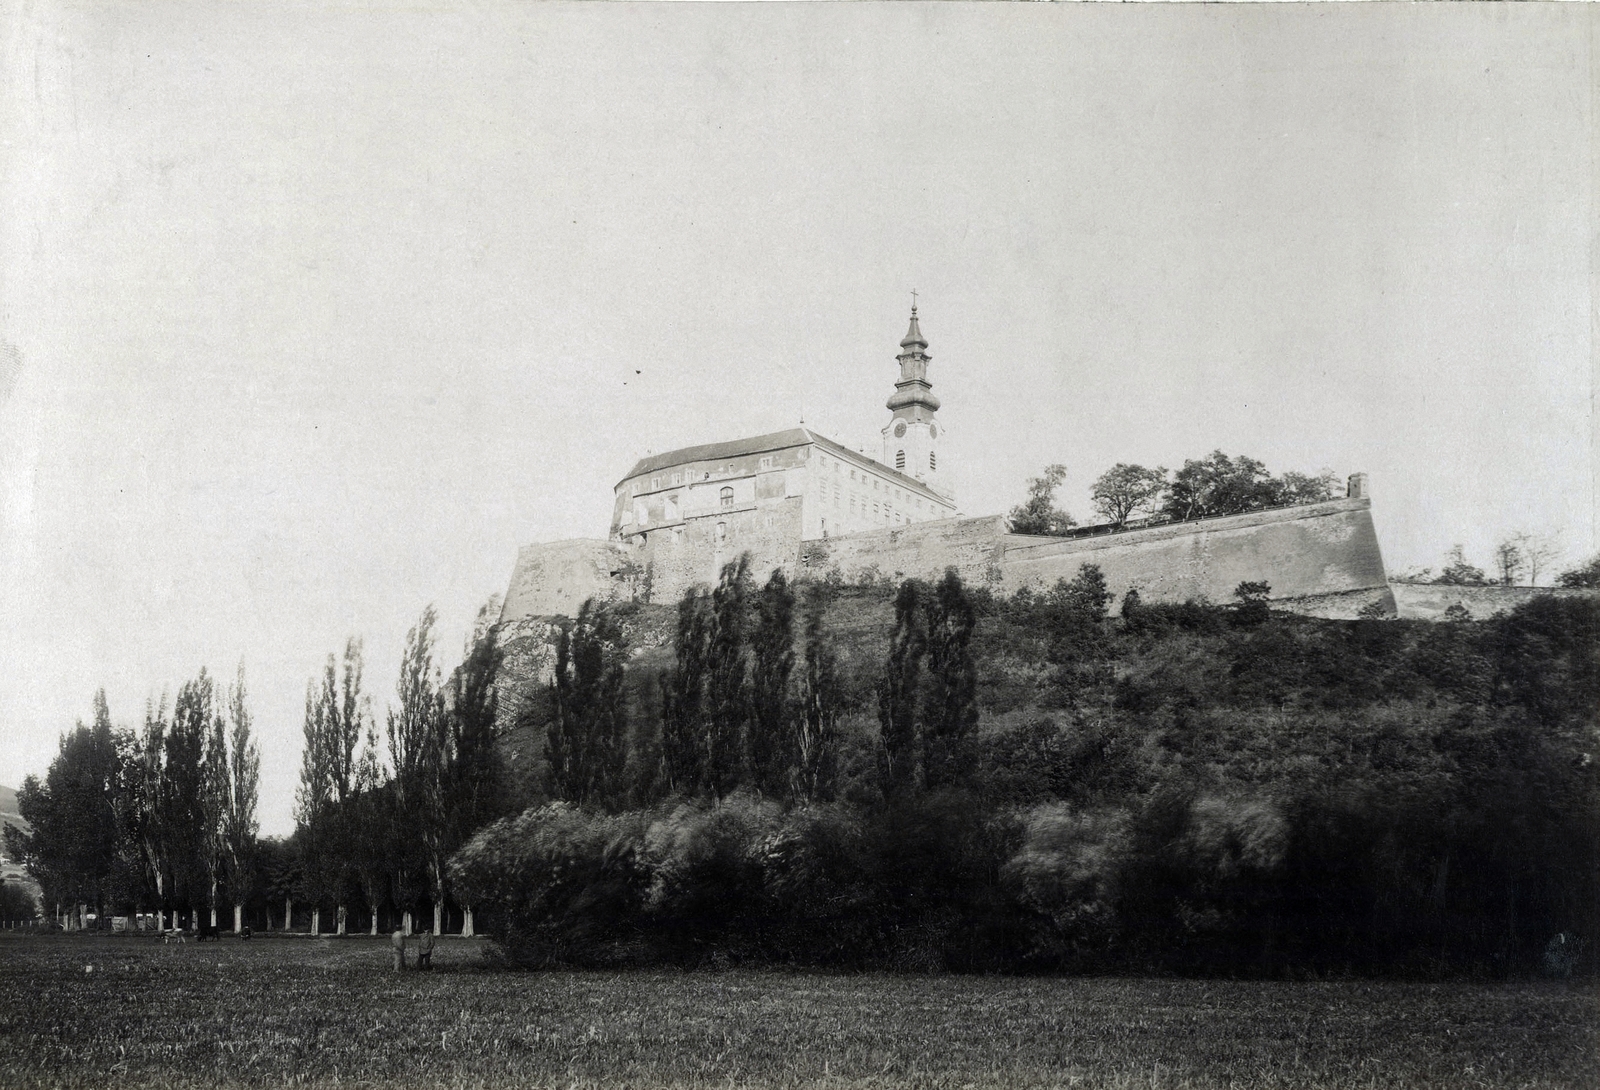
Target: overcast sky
x=313, y=316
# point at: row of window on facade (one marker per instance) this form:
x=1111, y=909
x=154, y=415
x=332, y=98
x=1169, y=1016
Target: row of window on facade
x=676, y=479
x=877, y=483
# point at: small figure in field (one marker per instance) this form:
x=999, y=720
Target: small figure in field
x=425, y=950
x=175, y=935
x=398, y=940
x=208, y=931
x=244, y=933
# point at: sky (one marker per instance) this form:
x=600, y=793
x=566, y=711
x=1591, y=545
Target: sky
x=310, y=315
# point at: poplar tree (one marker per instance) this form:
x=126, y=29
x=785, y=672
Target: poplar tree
x=814, y=727
x=416, y=745
x=771, y=664
x=314, y=807
x=727, y=691
x=183, y=805
x=215, y=805
x=244, y=774
x=150, y=791
x=586, y=744
x=373, y=825
x=683, y=697
x=474, y=753
x=952, y=711
x=899, y=692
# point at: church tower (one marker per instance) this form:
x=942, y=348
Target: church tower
x=911, y=438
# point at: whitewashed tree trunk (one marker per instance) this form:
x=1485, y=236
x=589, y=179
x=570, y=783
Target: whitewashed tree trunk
x=374, y=920
x=238, y=919
x=288, y=914
x=466, y=922
x=438, y=917
x=316, y=920
x=340, y=917
x=407, y=925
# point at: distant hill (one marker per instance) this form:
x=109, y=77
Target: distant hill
x=8, y=811
x=9, y=816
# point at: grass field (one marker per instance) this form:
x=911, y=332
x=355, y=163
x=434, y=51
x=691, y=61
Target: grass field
x=112, y=1011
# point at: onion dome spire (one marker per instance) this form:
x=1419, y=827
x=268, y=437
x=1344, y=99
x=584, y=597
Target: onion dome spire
x=912, y=398
x=914, y=337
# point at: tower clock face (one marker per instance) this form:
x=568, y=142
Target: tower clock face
x=900, y=430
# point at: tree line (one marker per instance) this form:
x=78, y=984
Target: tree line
x=161, y=818
x=1519, y=559
x=1214, y=485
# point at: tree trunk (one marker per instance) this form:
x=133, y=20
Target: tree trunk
x=406, y=927
x=466, y=922
x=238, y=918
x=339, y=919
x=288, y=914
x=374, y=921
x=438, y=917
x=316, y=920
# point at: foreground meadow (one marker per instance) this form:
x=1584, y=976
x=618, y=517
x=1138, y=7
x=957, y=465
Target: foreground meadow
x=104, y=1011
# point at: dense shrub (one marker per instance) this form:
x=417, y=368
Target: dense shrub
x=559, y=884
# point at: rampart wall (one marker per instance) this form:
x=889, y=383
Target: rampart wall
x=921, y=550
x=1321, y=559
x=1318, y=558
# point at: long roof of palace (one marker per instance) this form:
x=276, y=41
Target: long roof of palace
x=760, y=444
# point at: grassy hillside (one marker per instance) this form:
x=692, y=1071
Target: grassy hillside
x=1200, y=692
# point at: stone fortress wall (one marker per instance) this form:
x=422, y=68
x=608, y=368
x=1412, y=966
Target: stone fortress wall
x=1321, y=559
